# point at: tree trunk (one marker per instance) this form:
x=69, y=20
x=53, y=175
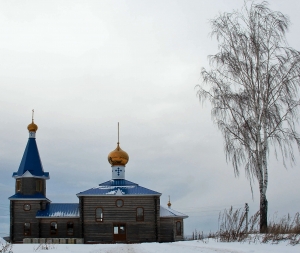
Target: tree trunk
x=263, y=213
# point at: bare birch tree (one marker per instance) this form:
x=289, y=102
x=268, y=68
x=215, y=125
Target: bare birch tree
x=253, y=87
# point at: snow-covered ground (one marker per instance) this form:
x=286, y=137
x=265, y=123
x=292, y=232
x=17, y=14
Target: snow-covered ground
x=176, y=247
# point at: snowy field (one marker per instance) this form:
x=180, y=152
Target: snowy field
x=176, y=247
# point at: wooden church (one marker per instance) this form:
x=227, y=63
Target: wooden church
x=115, y=211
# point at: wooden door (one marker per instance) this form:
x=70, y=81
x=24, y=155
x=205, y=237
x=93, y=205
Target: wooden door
x=120, y=232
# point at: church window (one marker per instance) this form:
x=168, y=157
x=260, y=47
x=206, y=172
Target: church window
x=178, y=228
x=27, y=228
x=53, y=228
x=70, y=228
x=140, y=214
x=39, y=185
x=119, y=202
x=26, y=207
x=99, y=214
x=18, y=185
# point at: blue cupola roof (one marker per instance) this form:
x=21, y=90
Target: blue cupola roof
x=118, y=187
x=31, y=165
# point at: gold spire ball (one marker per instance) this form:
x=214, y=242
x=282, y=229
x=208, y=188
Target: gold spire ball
x=169, y=203
x=32, y=127
x=118, y=156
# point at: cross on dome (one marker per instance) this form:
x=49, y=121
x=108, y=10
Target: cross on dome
x=32, y=127
x=118, y=156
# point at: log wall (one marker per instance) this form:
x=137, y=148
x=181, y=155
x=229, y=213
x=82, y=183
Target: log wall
x=136, y=231
x=167, y=230
x=28, y=186
x=61, y=227
x=19, y=216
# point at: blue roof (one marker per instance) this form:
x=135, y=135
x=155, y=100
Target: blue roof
x=117, y=187
x=37, y=196
x=59, y=210
x=31, y=161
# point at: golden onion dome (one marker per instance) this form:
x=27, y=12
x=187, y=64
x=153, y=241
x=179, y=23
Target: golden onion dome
x=118, y=157
x=32, y=127
x=169, y=203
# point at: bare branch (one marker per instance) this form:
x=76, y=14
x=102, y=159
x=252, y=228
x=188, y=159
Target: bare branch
x=253, y=87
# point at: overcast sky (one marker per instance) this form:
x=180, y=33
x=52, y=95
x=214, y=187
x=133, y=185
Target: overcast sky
x=86, y=65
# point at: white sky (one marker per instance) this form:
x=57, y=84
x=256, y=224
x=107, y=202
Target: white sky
x=85, y=65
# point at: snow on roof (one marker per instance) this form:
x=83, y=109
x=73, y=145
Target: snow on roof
x=59, y=210
x=171, y=213
x=118, y=187
x=37, y=196
x=31, y=162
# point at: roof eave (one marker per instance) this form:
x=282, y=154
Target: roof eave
x=113, y=195
x=174, y=217
x=41, y=177
x=29, y=199
x=57, y=217
x=28, y=174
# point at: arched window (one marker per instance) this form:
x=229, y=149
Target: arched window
x=18, y=185
x=178, y=227
x=53, y=228
x=99, y=214
x=140, y=214
x=27, y=228
x=39, y=185
x=70, y=228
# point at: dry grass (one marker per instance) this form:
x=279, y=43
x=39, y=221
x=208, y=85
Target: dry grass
x=6, y=248
x=233, y=228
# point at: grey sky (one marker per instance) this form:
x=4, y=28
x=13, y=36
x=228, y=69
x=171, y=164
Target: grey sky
x=85, y=65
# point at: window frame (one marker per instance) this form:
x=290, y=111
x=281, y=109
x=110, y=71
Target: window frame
x=117, y=204
x=70, y=222
x=178, y=233
x=26, y=210
x=29, y=234
x=139, y=218
x=56, y=228
x=102, y=215
x=18, y=185
x=39, y=185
